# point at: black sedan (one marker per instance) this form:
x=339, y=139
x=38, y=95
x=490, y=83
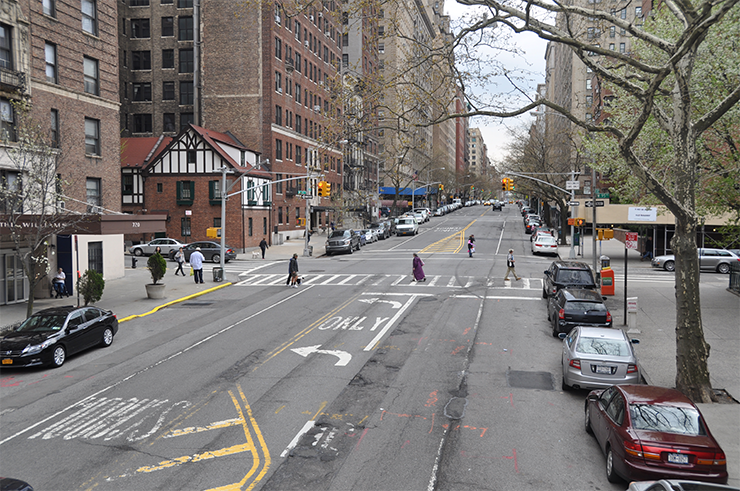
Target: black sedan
x=211, y=251
x=50, y=335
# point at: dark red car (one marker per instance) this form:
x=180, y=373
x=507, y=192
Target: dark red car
x=649, y=432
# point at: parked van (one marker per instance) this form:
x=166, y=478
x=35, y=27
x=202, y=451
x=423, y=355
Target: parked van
x=406, y=226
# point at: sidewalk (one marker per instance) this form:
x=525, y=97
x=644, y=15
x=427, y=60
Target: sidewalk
x=127, y=296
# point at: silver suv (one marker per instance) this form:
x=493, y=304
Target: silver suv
x=342, y=241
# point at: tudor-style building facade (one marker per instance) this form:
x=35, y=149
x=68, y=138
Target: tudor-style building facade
x=181, y=178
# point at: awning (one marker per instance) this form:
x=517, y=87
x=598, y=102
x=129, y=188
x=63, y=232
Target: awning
x=92, y=224
x=390, y=190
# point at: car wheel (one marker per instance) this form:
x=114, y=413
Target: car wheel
x=587, y=422
x=58, y=356
x=138, y=252
x=544, y=293
x=565, y=387
x=216, y=258
x=723, y=268
x=669, y=266
x=107, y=337
x=351, y=249
x=549, y=317
x=611, y=476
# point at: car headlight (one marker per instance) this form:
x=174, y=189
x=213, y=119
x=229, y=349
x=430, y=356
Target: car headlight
x=33, y=349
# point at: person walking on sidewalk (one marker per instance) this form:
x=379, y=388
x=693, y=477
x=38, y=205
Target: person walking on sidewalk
x=418, y=269
x=648, y=249
x=471, y=245
x=292, y=269
x=180, y=258
x=58, y=282
x=196, y=262
x=510, y=266
x=263, y=247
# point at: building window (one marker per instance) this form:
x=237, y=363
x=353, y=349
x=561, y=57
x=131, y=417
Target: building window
x=588, y=84
x=278, y=185
x=298, y=155
x=139, y=3
x=140, y=29
x=6, y=47
x=184, y=4
x=168, y=27
x=623, y=14
x=217, y=222
x=168, y=123
x=638, y=12
x=185, y=28
x=50, y=8
x=127, y=184
x=168, y=58
x=91, y=76
x=141, y=60
x=54, y=135
x=142, y=92
x=159, y=187
x=92, y=187
x=278, y=115
x=278, y=149
x=186, y=61
x=185, y=192
x=90, y=17
x=278, y=49
x=622, y=48
x=612, y=46
x=142, y=123
x=280, y=215
x=92, y=136
x=185, y=226
x=95, y=256
x=612, y=31
x=168, y=91
x=278, y=82
x=191, y=157
x=264, y=225
x=7, y=121
x=186, y=119
x=186, y=93
x=251, y=232
x=165, y=2
x=589, y=100
x=50, y=54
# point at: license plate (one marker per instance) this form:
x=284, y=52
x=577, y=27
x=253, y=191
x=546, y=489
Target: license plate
x=677, y=458
x=603, y=369
x=7, y=361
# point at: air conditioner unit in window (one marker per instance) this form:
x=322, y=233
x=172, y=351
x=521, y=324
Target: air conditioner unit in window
x=311, y=17
x=61, y=205
x=327, y=33
x=280, y=90
x=320, y=15
x=277, y=19
x=317, y=109
x=305, y=43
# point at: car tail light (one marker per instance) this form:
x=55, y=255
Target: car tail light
x=575, y=364
x=651, y=453
x=633, y=449
x=631, y=368
x=608, y=316
x=718, y=458
x=561, y=314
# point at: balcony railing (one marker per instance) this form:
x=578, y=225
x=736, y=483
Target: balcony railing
x=12, y=79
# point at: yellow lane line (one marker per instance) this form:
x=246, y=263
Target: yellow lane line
x=321, y=408
x=263, y=445
x=199, y=457
x=199, y=429
x=174, y=302
x=458, y=236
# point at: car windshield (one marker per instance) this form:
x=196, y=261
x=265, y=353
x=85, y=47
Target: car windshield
x=585, y=306
x=339, y=233
x=601, y=346
x=406, y=221
x=42, y=323
x=667, y=419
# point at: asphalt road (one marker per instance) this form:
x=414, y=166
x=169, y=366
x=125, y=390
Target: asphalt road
x=358, y=380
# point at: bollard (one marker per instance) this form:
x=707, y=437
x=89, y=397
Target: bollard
x=133, y=262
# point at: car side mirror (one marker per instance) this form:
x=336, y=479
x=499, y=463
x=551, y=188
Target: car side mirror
x=592, y=397
x=562, y=335
x=635, y=341
x=603, y=298
x=547, y=272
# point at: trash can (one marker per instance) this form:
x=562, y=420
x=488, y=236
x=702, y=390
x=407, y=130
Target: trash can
x=218, y=275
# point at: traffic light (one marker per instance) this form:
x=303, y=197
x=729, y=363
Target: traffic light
x=327, y=189
x=509, y=184
x=321, y=188
x=503, y=184
x=441, y=188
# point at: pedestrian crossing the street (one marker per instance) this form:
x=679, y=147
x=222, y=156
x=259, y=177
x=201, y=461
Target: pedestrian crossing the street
x=392, y=280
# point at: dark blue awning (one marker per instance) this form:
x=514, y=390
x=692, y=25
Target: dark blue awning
x=421, y=191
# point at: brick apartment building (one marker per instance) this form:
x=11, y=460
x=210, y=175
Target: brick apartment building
x=261, y=72
x=180, y=177
x=61, y=57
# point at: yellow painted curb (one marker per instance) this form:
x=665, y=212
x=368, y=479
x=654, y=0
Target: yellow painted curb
x=174, y=302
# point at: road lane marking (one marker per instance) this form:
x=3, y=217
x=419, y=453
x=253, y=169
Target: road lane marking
x=199, y=429
x=388, y=325
x=309, y=424
x=344, y=357
x=493, y=297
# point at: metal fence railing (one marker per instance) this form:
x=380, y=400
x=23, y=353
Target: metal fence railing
x=735, y=276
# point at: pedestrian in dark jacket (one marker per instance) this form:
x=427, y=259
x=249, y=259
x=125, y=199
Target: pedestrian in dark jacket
x=292, y=268
x=263, y=246
x=471, y=245
x=180, y=258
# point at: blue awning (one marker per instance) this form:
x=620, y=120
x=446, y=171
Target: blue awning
x=391, y=191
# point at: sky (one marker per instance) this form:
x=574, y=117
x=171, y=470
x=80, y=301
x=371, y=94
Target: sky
x=496, y=131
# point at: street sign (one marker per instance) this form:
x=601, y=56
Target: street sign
x=574, y=203
x=572, y=185
x=630, y=241
x=599, y=203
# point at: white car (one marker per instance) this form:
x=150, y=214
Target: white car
x=165, y=245
x=407, y=226
x=545, y=244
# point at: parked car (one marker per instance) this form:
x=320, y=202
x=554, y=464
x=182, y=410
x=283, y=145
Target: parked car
x=571, y=307
x=567, y=274
x=342, y=241
x=382, y=229
x=530, y=224
x=597, y=358
x=545, y=244
x=211, y=251
x=50, y=335
x=497, y=206
x=678, y=485
x=10, y=484
x=718, y=260
x=649, y=432
x=407, y=226
x=166, y=245
x=541, y=229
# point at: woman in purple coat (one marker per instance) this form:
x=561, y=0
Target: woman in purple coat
x=418, y=269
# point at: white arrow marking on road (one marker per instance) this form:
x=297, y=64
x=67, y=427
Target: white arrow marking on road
x=343, y=356
x=396, y=305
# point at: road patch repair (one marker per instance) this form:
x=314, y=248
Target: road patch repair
x=173, y=302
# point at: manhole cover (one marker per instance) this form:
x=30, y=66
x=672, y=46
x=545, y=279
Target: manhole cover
x=529, y=380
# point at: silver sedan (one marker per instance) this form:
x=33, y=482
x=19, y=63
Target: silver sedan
x=597, y=358
x=718, y=260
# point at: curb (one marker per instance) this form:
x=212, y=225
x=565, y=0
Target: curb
x=155, y=309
